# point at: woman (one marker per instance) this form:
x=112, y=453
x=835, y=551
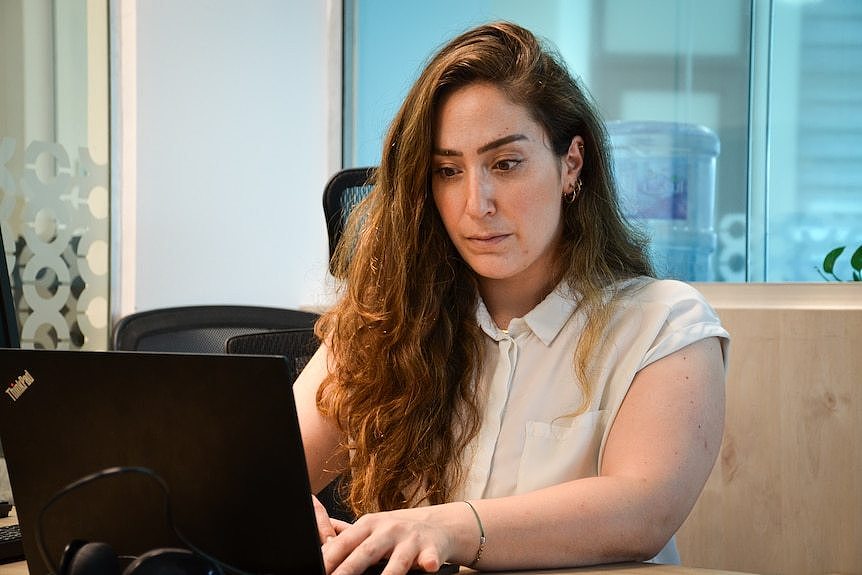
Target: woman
x=501, y=381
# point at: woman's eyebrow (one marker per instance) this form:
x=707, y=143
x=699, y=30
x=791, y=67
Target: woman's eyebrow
x=485, y=147
x=501, y=142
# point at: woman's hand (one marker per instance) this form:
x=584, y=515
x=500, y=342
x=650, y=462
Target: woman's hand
x=423, y=538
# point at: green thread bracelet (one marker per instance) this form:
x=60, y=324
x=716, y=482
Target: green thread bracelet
x=481, y=535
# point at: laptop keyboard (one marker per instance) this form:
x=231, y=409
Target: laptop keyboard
x=11, y=547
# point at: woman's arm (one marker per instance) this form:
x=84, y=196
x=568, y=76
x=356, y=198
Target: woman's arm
x=320, y=436
x=659, y=453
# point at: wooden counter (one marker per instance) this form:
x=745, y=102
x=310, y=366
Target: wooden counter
x=785, y=495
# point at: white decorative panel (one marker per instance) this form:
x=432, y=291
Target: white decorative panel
x=56, y=230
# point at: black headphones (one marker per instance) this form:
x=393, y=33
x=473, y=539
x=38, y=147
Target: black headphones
x=83, y=558
x=96, y=558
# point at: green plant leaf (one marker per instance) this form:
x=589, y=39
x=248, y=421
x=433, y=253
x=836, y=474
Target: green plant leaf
x=856, y=259
x=829, y=260
x=857, y=277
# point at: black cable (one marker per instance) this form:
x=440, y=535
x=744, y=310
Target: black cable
x=111, y=471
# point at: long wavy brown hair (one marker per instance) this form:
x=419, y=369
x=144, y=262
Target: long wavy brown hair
x=405, y=347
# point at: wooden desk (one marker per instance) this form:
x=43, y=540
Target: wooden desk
x=17, y=568
x=11, y=520
x=20, y=568
x=616, y=569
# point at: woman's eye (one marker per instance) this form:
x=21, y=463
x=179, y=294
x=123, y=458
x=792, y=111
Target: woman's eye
x=506, y=165
x=446, y=172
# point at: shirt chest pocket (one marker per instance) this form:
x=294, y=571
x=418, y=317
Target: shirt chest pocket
x=566, y=449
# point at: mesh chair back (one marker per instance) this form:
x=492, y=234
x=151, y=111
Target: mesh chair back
x=341, y=194
x=297, y=345
x=201, y=329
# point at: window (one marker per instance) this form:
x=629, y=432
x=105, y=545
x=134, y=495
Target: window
x=813, y=187
x=765, y=91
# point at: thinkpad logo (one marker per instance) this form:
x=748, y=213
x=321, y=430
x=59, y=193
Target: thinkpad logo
x=18, y=386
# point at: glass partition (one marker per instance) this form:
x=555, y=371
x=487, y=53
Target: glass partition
x=54, y=199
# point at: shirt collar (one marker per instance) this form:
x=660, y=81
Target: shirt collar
x=545, y=320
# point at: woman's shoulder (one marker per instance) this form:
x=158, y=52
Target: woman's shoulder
x=666, y=300
x=644, y=290
x=673, y=312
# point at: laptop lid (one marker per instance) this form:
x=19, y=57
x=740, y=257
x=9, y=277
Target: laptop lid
x=221, y=431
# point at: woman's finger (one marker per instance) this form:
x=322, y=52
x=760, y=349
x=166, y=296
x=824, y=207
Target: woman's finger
x=325, y=528
x=339, y=525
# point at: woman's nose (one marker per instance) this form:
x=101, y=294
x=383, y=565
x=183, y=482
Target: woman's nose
x=480, y=195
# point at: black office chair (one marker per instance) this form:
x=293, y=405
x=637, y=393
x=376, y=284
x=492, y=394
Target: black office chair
x=201, y=329
x=343, y=191
x=297, y=345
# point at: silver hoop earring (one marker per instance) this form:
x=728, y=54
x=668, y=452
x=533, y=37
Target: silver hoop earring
x=574, y=190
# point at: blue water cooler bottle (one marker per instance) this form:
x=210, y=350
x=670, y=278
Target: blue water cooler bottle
x=666, y=177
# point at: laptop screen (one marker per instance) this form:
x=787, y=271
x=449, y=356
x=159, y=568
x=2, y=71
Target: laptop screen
x=220, y=430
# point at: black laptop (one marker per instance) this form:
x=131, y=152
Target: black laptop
x=221, y=431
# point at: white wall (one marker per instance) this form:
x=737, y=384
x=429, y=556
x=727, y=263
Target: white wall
x=225, y=111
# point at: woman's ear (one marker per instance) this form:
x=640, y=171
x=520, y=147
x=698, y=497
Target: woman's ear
x=573, y=161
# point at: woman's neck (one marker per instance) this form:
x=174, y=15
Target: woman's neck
x=508, y=299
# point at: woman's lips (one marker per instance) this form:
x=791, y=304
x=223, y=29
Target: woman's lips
x=487, y=239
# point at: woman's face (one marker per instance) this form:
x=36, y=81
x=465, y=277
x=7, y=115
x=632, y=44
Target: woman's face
x=498, y=187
